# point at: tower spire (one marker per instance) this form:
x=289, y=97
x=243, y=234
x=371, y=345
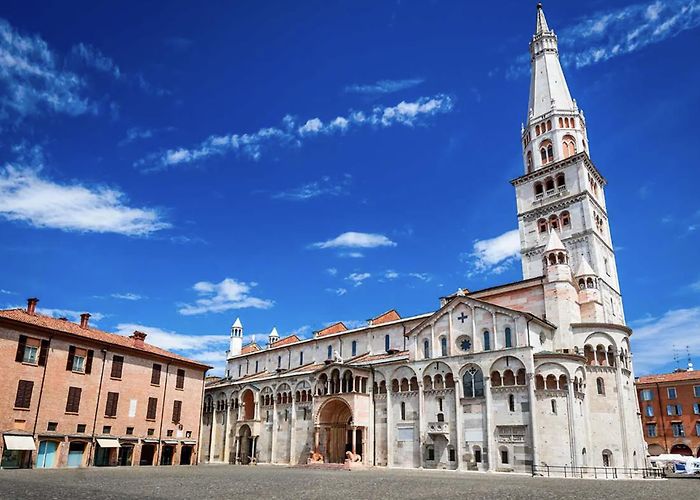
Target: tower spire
x=541, y=20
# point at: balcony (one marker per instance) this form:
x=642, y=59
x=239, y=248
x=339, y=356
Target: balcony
x=435, y=428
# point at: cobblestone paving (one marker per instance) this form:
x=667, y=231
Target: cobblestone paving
x=268, y=482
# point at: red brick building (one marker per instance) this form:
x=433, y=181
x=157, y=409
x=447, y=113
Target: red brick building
x=74, y=396
x=670, y=412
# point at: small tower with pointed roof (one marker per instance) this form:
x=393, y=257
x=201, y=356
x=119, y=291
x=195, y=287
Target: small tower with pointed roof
x=588, y=293
x=236, y=341
x=273, y=337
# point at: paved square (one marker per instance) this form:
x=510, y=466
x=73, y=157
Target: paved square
x=269, y=482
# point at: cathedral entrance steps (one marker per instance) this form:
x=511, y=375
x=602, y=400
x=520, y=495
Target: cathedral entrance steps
x=324, y=466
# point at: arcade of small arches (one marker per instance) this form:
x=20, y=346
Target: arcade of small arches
x=549, y=184
x=561, y=221
x=555, y=258
x=348, y=382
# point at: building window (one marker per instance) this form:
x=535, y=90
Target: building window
x=387, y=343
x=509, y=338
x=73, y=401
x=649, y=410
x=403, y=411
x=554, y=406
x=473, y=382
x=111, y=406
x=511, y=402
x=256, y=366
x=80, y=428
x=152, y=408
x=330, y=352
x=155, y=374
x=169, y=433
x=672, y=394
x=696, y=408
x=129, y=431
x=651, y=430
x=301, y=358
x=151, y=432
x=477, y=454
x=30, y=354
x=180, y=379
x=465, y=344
x=696, y=391
x=279, y=362
x=504, y=456
x=674, y=410
x=452, y=455
x=177, y=411
x=443, y=346
x=678, y=430
x=23, y=399
x=32, y=351
x=106, y=429
x=647, y=395
x=607, y=458
x=600, y=385
x=542, y=225
x=426, y=349
x=487, y=341
x=697, y=428
x=52, y=426
x=353, y=348
x=117, y=367
x=79, y=360
x=431, y=454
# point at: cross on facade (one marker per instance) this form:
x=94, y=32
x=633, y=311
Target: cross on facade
x=462, y=317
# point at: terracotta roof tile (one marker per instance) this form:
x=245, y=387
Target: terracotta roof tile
x=669, y=377
x=391, y=315
x=248, y=348
x=70, y=328
x=292, y=339
x=334, y=328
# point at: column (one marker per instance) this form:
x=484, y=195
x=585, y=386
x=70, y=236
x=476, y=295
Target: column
x=421, y=420
x=571, y=408
x=227, y=434
x=459, y=413
x=450, y=336
x=533, y=416
x=490, y=441
x=354, y=440
x=621, y=405
x=212, y=441
x=292, y=422
x=317, y=438
x=237, y=458
x=494, y=340
x=389, y=428
x=274, y=431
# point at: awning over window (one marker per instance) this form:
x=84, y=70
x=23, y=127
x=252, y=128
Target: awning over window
x=108, y=443
x=189, y=442
x=19, y=443
x=170, y=441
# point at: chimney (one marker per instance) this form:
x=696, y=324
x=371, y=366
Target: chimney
x=85, y=320
x=31, y=305
x=138, y=337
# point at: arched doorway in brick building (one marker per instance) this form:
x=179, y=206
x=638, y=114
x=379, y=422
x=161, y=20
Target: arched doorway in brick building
x=335, y=430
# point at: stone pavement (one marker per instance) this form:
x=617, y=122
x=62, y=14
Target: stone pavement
x=273, y=482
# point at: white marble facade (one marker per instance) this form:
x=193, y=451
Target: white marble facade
x=536, y=371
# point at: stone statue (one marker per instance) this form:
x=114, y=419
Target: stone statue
x=336, y=357
x=352, y=457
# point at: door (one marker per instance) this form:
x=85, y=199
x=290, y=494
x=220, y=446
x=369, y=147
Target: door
x=166, y=457
x=147, y=453
x=75, y=454
x=46, y=457
x=125, y=454
x=186, y=455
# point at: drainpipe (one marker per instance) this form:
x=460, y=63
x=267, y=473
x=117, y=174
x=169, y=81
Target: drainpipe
x=201, y=422
x=374, y=419
x=41, y=389
x=162, y=413
x=91, y=459
x=662, y=418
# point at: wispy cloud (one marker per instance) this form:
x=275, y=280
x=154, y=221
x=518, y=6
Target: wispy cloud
x=390, y=275
x=6, y=292
x=495, y=255
x=224, y=296
x=332, y=271
x=252, y=145
x=326, y=186
x=383, y=86
x=138, y=133
x=358, y=278
x=70, y=314
x=127, y=296
x=26, y=196
x=354, y=239
x=337, y=291
x=33, y=80
x=655, y=339
x=95, y=59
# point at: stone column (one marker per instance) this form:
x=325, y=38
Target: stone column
x=212, y=441
x=422, y=427
x=227, y=434
x=459, y=431
x=274, y=431
x=570, y=409
x=354, y=440
x=317, y=438
x=494, y=340
x=292, y=421
x=490, y=439
x=621, y=406
x=533, y=416
x=389, y=428
x=237, y=458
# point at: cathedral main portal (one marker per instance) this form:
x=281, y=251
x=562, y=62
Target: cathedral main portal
x=335, y=430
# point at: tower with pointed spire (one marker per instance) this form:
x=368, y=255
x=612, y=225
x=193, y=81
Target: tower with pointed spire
x=236, y=341
x=561, y=189
x=273, y=337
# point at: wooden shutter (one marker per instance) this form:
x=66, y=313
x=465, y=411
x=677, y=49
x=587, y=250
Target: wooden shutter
x=152, y=407
x=73, y=402
x=155, y=374
x=180, y=381
x=112, y=401
x=177, y=410
x=88, y=362
x=24, y=394
x=19, y=356
x=71, y=355
x=117, y=366
x=44, y=352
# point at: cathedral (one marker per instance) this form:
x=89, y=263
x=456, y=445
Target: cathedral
x=535, y=372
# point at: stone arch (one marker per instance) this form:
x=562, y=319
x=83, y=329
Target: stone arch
x=401, y=378
x=248, y=404
x=473, y=383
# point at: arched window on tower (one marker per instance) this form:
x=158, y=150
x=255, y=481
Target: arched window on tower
x=511, y=402
x=403, y=411
x=542, y=225
x=529, y=161
x=537, y=130
x=549, y=125
x=561, y=122
x=554, y=221
x=549, y=184
x=561, y=181
x=473, y=383
x=565, y=219
x=600, y=386
x=539, y=189
x=568, y=145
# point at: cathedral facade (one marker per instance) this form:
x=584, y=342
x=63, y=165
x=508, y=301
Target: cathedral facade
x=533, y=372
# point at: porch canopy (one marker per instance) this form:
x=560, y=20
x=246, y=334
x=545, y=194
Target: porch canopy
x=19, y=443
x=108, y=443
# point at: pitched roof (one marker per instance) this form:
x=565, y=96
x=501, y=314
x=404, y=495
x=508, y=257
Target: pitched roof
x=334, y=328
x=237, y=323
x=391, y=315
x=669, y=377
x=584, y=268
x=292, y=339
x=248, y=348
x=554, y=242
x=89, y=333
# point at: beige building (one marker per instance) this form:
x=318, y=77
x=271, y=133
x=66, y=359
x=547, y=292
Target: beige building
x=74, y=396
x=532, y=373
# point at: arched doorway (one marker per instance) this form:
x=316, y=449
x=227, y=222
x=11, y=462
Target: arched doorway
x=336, y=431
x=681, y=449
x=245, y=445
x=655, y=450
x=248, y=402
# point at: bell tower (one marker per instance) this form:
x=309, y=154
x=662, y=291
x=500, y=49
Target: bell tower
x=561, y=189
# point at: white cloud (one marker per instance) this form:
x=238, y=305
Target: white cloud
x=332, y=271
x=252, y=145
x=383, y=86
x=223, y=296
x=494, y=255
x=338, y=291
x=654, y=340
x=27, y=197
x=6, y=292
x=92, y=57
x=32, y=80
x=353, y=239
x=615, y=32
x=351, y=255
x=358, y=278
x=323, y=187
x=127, y=296
x=70, y=314
x=391, y=275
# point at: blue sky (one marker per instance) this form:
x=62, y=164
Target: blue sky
x=169, y=169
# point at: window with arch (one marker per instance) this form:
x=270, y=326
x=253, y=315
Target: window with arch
x=443, y=346
x=554, y=406
x=353, y=348
x=426, y=349
x=509, y=337
x=487, y=341
x=546, y=151
x=539, y=189
x=330, y=352
x=561, y=180
x=537, y=130
x=511, y=402
x=542, y=225
x=607, y=458
x=387, y=343
x=301, y=358
x=561, y=122
x=568, y=145
x=549, y=184
x=529, y=161
x=600, y=386
x=554, y=221
x=403, y=411
x=256, y=366
x=565, y=219
x=473, y=382
x=279, y=362
x=549, y=125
